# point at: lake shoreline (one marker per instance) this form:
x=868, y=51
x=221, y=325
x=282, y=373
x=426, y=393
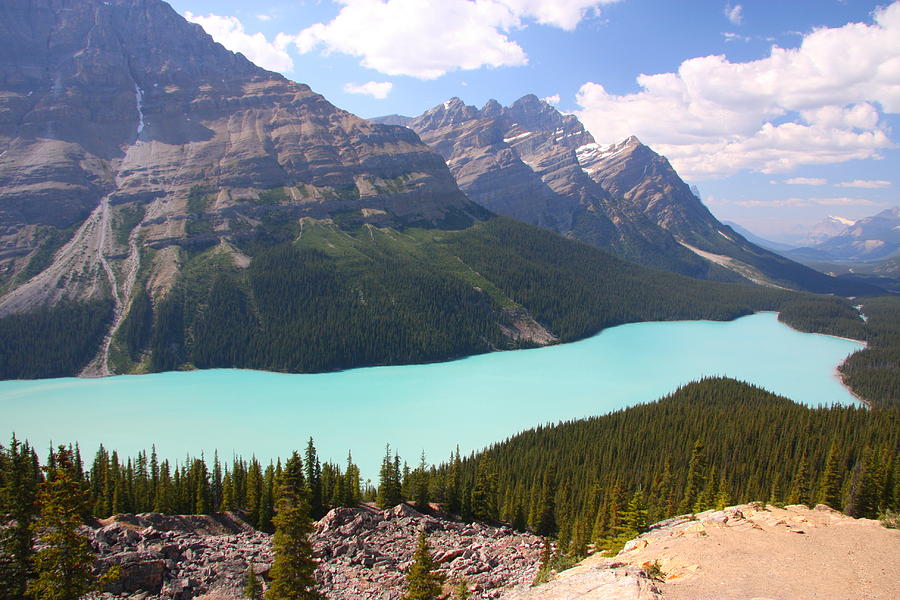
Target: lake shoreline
x=472, y=402
x=837, y=370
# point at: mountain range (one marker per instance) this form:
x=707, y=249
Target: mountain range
x=871, y=239
x=530, y=162
x=166, y=204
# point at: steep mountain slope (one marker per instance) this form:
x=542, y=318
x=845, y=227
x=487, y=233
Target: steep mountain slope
x=871, y=239
x=110, y=107
x=532, y=163
x=129, y=138
x=520, y=161
x=166, y=204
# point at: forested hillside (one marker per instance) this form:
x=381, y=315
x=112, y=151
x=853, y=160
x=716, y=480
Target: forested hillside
x=331, y=298
x=712, y=443
x=322, y=297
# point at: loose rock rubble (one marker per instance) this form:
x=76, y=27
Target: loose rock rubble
x=363, y=553
x=179, y=558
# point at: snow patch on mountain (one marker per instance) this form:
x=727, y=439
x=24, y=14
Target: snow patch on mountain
x=139, y=96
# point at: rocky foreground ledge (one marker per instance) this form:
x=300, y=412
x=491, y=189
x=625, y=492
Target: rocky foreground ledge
x=363, y=554
x=750, y=551
x=747, y=551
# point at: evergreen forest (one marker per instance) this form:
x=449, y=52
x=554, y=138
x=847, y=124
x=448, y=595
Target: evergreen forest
x=596, y=481
x=336, y=298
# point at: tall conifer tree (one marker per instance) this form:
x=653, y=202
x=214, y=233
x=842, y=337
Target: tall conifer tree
x=389, y=481
x=292, y=574
x=18, y=507
x=64, y=565
x=695, y=477
x=423, y=582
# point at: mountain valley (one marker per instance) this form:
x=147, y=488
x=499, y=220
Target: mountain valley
x=219, y=215
x=627, y=390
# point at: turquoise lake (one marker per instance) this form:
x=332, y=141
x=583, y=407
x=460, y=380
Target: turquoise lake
x=471, y=402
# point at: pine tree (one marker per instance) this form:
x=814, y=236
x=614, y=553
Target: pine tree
x=799, y=493
x=423, y=582
x=18, y=497
x=707, y=497
x=634, y=517
x=519, y=520
x=665, y=502
x=545, y=568
x=267, y=500
x=484, y=492
x=695, y=478
x=227, y=493
x=201, y=493
x=580, y=536
x=216, y=484
x=252, y=587
x=461, y=590
x=292, y=573
x=600, y=528
x=420, y=484
x=723, y=497
x=451, y=489
x=314, y=480
x=351, y=493
x=389, y=481
x=254, y=492
x=154, y=478
x=545, y=511
x=64, y=566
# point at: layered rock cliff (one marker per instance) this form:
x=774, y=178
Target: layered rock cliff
x=128, y=136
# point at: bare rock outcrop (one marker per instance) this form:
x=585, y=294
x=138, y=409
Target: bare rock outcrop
x=746, y=551
x=123, y=109
x=363, y=553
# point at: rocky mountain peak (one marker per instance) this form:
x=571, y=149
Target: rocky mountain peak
x=491, y=109
x=868, y=239
x=123, y=127
x=448, y=113
x=531, y=162
x=533, y=114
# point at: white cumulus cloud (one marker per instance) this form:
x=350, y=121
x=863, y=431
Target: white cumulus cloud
x=376, y=89
x=229, y=31
x=817, y=104
x=565, y=14
x=428, y=38
x=735, y=13
x=807, y=202
x=554, y=99
x=806, y=181
x=871, y=184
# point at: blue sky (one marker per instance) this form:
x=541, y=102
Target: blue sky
x=780, y=112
